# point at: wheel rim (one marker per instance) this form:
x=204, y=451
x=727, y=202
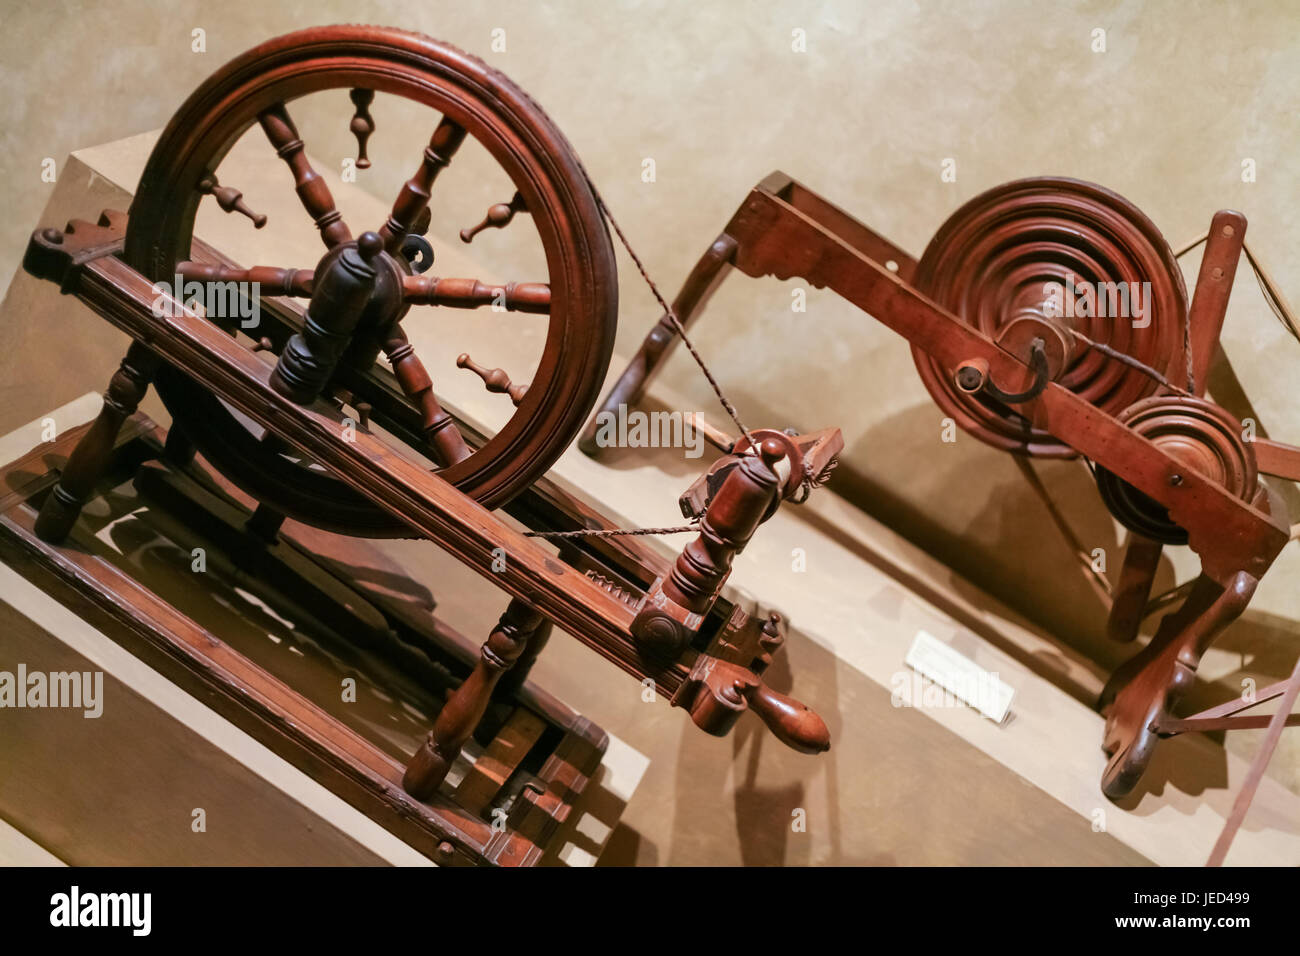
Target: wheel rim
x=524, y=143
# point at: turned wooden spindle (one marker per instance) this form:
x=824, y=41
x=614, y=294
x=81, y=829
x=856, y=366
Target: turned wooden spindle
x=675, y=608
x=466, y=706
x=495, y=379
x=362, y=124
x=414, y=196
x=312, y=190
x=532, y=297
x=90, y=459
x=498, y=217
x=340, y=297
x=229, y=199
x=439, y=428
x=422, y=223
x=271, y=280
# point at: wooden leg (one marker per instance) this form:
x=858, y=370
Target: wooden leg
x=1213, y=287
x=1149, y=685
x=466, y=706
x=709, y=271
x=1258, y=765
x=89, y=460
x=500, y=712
x=514, y=678
x=1128, y=607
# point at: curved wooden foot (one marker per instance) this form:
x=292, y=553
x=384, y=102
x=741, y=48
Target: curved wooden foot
x=1147, y=687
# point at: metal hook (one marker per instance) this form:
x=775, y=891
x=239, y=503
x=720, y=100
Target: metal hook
x=974, y=377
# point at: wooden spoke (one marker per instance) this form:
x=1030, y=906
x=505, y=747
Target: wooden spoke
x=313, y=192
x=289, y=282
x=362, y=124
x=439, y=428
x=414, y=197
x=498, y=217
x=229, y=199
x=495, y=379
x=534, y=297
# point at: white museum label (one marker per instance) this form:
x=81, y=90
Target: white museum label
x=960, y=676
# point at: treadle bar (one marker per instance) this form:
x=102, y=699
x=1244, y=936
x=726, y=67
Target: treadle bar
x=1226, y=716
x=1280, y=720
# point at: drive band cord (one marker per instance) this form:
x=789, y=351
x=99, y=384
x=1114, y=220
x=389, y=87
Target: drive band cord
x=680, y=329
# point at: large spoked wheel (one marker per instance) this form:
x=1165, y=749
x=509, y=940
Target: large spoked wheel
x=580, y=295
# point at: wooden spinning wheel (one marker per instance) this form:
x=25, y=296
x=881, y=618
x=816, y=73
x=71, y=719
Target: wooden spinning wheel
x=1003, y=342
x=271, y=405
x=363, y=287
x=1023, y=326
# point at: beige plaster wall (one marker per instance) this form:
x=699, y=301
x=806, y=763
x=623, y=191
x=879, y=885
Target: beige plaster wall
x=883, y=94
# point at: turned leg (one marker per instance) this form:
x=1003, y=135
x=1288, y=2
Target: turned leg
x=514, y=678
x=89, y=460
x=708, y=273
x=509, y=685
x=1149, y=685
x=466, y=706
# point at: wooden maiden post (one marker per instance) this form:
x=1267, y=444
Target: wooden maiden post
x=675, y=607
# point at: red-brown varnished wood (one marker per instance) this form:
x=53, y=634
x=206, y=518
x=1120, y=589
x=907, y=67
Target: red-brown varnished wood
x=466, y=706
